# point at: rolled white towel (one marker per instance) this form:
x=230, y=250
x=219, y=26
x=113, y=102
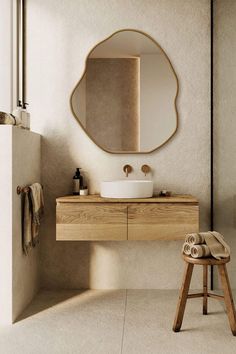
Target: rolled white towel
x=200, y=251
x=186, y=248
x=205, y=244
x=195, y=239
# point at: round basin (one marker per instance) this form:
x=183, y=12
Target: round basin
x=127, y=189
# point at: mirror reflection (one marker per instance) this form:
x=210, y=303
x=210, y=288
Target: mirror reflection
x=125, y=100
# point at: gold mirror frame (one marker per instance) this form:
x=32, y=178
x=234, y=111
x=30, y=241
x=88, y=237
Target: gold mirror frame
x=84, y=72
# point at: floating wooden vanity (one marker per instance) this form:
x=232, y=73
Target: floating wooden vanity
x=92, y=218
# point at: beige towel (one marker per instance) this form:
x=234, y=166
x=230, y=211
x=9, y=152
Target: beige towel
x=33, y=206
x=195, y=239
x=200, y=251
x=186, y=248
x=27, y=223
x=204, y=244
x=36, y=195
x=219, y=248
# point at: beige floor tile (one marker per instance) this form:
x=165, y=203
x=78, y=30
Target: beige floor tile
x=68, y=322
x=149, y=319
x=93, y=322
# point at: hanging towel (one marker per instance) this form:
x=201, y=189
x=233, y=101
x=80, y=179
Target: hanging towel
x=33, y=207
x=204, y=244
x=27, y=223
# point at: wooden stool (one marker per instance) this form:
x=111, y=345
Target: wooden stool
x=184, y=295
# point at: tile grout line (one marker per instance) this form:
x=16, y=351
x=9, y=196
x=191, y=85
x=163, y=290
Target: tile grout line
x=123, y=330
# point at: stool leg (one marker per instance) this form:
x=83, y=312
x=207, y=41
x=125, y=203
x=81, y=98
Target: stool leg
x=205, y=269
x=229, y=302
x=183, y=297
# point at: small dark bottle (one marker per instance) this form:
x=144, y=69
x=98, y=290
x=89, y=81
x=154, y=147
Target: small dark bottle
x=77, y=182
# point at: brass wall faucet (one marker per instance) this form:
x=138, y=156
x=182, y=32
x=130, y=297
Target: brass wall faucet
x=127, y=169
x=145, y=169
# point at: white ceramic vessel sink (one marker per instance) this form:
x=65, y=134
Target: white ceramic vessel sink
x=127, y=189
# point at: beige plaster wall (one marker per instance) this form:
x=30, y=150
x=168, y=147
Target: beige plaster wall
x=19, y=274
x=225, y=125
x=26, y=169
x=60, y=34
x=6, y=225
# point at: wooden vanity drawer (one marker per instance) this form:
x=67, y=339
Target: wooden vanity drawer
x=91, y=222
x=92, y=218
x=163, y=221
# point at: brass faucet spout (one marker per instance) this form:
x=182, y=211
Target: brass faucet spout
x=145, y=169
x=127, y=169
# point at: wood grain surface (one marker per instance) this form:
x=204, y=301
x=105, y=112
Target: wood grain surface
x=91, y=222
x=164, y=221
x=97, y=199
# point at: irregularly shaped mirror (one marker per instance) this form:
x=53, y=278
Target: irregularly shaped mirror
x=126, y=98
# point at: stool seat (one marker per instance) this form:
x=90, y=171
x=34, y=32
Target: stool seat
x=190, y=262
x=206, y=261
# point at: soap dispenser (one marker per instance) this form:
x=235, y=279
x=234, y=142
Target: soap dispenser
x=77, y=182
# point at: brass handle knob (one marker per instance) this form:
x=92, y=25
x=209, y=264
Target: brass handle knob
x=127, y=169
x=145, y=169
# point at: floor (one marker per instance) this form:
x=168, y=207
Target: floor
x=115, y=322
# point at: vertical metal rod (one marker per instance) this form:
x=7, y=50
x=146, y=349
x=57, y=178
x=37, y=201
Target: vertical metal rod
x=212, y=131
x=12, y=55
x=23, y=50
x=205, y=289
x=18, y=27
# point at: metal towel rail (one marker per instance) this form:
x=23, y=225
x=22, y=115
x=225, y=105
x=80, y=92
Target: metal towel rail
x=21, y=190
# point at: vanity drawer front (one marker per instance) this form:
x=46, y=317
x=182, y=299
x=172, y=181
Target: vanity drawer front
x=91, y=222
x=163, y=221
